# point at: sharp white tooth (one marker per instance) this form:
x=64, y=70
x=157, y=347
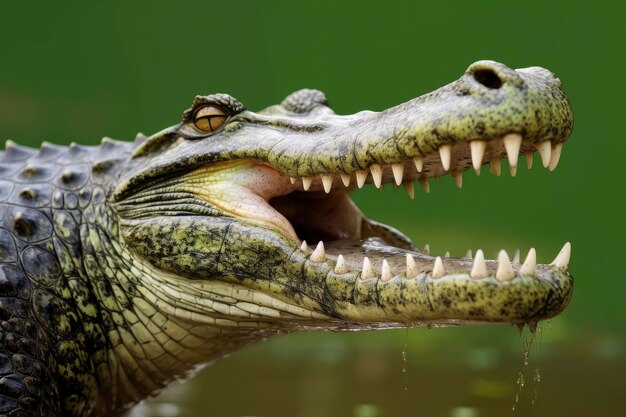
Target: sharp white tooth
x=411, y=268
x=306, y=183
x=304, y=247
x=505, y=271
x=516, y=257
x=556, y=155
x=479, y=269
x=319, y=254
x=361, y=177
x=409, y=186
x=367, y=271
x=469, y=254
x=424, y=183
x=458, y=179
x=478, y=151
x=345, y=178
x=545, y=151
x=445, y=153
x=398, y=172
x=327, y=182
x=495, y=167
x=426, y=250
x=529, y=159
x=446, y=255
x=340, y=266
x=377, y=174
x=293, y=180
x=438, y=270
x=513, y=170
x=419, y=163
x=562, y=259
x=512, y=143
x=385, y=272
x=530, y=264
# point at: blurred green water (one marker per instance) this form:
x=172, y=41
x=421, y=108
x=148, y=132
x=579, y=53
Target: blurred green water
x=75, y=71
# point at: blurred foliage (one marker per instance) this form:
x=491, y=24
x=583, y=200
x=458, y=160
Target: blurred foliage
x=76, y=71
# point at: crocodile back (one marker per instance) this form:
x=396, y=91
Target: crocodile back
x=49, y=325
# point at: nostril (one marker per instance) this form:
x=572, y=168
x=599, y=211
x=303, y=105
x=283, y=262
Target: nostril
x=488, y=78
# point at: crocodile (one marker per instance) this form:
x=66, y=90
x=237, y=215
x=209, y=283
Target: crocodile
x=128, y=265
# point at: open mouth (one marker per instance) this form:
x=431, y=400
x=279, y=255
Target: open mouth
x=316, y=212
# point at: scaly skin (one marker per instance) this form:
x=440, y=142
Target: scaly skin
x=128, y=265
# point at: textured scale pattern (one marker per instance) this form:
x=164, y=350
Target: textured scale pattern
x=50, y=324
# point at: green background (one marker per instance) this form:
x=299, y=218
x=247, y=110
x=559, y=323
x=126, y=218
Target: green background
x=72, y=71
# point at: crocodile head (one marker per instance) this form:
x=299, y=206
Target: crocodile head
x=252, y=211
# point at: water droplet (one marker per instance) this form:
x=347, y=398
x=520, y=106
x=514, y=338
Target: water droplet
x=405, y=352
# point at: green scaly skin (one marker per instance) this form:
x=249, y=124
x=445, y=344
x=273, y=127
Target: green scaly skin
x=128, y=265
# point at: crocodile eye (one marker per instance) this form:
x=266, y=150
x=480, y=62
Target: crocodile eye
x=209, y=118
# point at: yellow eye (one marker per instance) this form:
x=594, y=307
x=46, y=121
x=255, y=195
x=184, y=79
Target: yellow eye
x=209, y=118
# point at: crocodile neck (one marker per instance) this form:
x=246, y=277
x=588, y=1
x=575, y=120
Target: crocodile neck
x=136, y=328
x=152, y=335
x=117, y=329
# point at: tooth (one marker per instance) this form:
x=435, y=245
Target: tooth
x=419, y=163
x=293, y=180
x=513, y=170
x=345, y=178
x=424, y=183
x=512, y=143
x=377, y=174
x=409, y=186
x=478, y=151
x=562, y=259
x=469, y=254
x=367, y=271
x=445, y=153
x=555, y=156
x=361, y=177
x=411, y=268
x=306, y=182
x=327, y=182
x=438, y=270
x=530, y=264
x=398, y=172
x=505, y=271
x=340, y=267
x=529, y=159
x=516, y=257
x=447, y=254
x=495, y=167
x=545, y=151
x=458, y=179
x=319, y=254
x=385, y=272
x=479, y=269
x=426, y=250
x=304, y=246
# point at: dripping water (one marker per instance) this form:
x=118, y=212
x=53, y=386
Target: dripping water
x=405, y=351
x=528, y=342
x=536, y=372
